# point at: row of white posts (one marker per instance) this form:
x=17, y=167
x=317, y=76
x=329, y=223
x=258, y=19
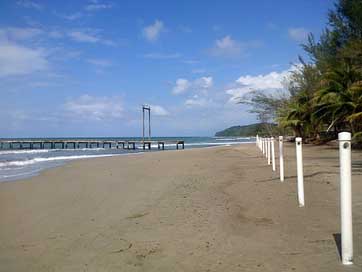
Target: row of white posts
x=266, y=145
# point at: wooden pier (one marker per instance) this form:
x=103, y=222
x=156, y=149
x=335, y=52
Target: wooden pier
x=77, y=144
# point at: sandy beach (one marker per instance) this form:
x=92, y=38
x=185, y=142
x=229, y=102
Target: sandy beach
x=211, y=209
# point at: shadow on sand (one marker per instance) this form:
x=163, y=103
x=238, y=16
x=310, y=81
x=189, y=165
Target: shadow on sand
x=337, y=240
x=295, y=177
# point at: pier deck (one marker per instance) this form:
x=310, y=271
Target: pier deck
x=77, y=144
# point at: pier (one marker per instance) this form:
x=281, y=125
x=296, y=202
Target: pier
x=144, y=143
x=91, y=143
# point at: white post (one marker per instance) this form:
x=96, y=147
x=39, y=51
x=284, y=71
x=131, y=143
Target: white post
x=281, y=158
x=262, y=145
x=300, y=179
x=259, y=143
x=272, y=153
x=268, y=150
x=256, y=140
x=346, y=197
x=266, y=147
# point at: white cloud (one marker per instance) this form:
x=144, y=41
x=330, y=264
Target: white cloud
x=80, y=36
x=197, y=101
x=204, y=82
x=226, y=43
x=95, y=108
x=18, y=33
x=268, y=82
x=298, y=34
x=73, y=16
x=191, y=61
x=236, y=93
x=272, y=80
x=159, y=110
x=55, y=34
x=96, y=5
x=19, y=60
x=152, y=32
x=162, y=56
x=103, y=63
x=88, y=36
x=29, y=4
x=198, y=71
x=181, y=86
x=228, y=47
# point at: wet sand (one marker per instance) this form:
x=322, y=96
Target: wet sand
x=212, y=209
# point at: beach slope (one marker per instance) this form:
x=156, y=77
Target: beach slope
x=211, y=209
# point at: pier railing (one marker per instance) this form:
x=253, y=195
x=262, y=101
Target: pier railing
x=76, y=144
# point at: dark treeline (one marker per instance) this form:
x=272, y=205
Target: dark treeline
x=324, y=91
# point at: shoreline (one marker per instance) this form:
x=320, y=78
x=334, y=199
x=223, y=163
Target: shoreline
x=216, y=209
x=61, y=161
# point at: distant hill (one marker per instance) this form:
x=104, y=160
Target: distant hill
x=243, y=131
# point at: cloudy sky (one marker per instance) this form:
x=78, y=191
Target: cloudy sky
x=84, y=68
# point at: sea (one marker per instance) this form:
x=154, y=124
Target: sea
x=19, y=164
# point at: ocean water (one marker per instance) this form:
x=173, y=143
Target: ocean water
x=19, y=164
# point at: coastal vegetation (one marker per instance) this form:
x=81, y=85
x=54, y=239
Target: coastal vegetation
x=324, y=90
x=248, y=130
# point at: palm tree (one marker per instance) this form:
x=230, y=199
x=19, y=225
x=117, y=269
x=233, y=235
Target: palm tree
x=339, y=101
x=298, y=113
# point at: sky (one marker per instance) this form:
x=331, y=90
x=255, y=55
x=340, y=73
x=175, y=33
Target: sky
x=84, y=68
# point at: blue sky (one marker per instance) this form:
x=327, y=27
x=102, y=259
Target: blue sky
x=84, y=68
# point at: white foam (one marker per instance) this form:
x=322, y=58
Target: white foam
x=225, y=139
x=245, y=138
x=33, y=151
x=232, y=138
x=29, y=173
x=223, y=143
x=36, y=151
x=59, y=158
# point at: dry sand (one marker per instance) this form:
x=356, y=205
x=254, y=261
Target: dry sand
x=216, y=209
